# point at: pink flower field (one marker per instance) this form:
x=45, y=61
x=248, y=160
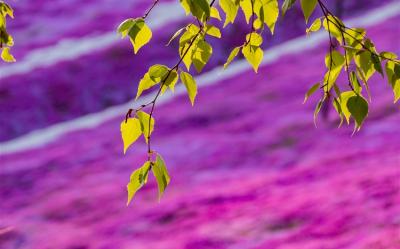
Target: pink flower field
x=249, y=169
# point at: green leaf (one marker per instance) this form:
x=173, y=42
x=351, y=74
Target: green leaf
x=334, y=25
x=214, y=13
x=310, y=91
x=6, y=56
x=154, y=76
x=245, y=5
x=317, y=110
x=212, y=30
x=253, y=55
x=308, y=7
x=139, y=34
x=254, y=39
x=137, y=180
x=343, y=98
x=161, y=173
x=376, y=61
x=201, y=55
x=6, y=9
x=172, y=79
x=198, y=8
x=364, y=61
x=358, y=108
x=177, y=33
x=287, y=4
x=315, y=26
x=125, y=26
x=186, y=6
x=355, y=83
x=130, y=132
x=232, y=56
x=190, y=85
x=230, y=9
x=393, y=74
x=271, y=13
x=334, y=62
x=144, y=119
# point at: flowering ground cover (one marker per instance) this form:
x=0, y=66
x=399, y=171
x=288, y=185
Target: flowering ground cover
x=47, y=22
x=70, y=89
x=248, y=167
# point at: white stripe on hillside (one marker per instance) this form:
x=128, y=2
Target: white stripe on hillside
x=70, y=49
x=41, y=137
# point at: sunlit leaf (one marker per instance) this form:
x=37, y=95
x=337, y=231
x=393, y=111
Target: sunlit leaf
x=214, y=13
x=308, y=7
x=358, y=108
x=6, y=56
x=310, y=91
x=161, y=174
x=230, y=9
x=232, y=56
x=130, y=132
x=315, y=26
x=201, y=55
x=271, y=13
x=190, y=85
x=212, y=30
x=145, y=124
x=137, y=180
x=253, y=55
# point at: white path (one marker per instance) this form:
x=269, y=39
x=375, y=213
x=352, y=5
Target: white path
x=41, y=137
x=70, y=49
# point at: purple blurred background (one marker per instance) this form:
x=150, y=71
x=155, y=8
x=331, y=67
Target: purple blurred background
x=249, y=169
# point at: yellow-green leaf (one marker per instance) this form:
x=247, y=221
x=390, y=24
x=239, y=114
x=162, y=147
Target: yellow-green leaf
x=137, y=180
x=161, y=174
x=364, y=61
x=310, y=91
x=308, y=7
x=212, y=30
x=247, y=9
x=232, y=56
x=271, y=13
x=230, y=9
x=214, y=13
x=334, y=62
x=253, y=55
x=177, y=33
x=190, y=85
x=130, y=132
x=254, y=39
x=139, y=34
x=358, y=108
x=6, y=56
x=144, y=119
x=315, y=26
x=335, y=26
x=201, y=55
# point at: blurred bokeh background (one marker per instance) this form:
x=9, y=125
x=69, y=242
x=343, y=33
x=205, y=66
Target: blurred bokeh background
x=249, y=169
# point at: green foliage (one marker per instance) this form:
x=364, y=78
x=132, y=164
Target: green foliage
x=350, y=53
x=161, y=173
x=308, y=7
x=137, y=30
x=6, y=40
x=190, y=85
x=137, y=180
x=130, y=131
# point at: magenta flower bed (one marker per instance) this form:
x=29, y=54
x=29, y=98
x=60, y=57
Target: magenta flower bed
x=249, y=170
x=93, y=82
x=42, y=23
